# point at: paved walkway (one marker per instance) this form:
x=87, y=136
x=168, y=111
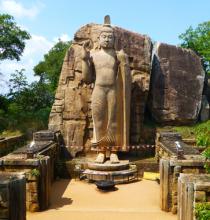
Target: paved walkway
x=79, y=200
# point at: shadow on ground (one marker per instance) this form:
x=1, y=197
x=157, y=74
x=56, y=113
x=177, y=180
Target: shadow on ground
x=58, y=189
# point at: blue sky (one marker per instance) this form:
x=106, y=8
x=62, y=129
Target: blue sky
x=46, y=21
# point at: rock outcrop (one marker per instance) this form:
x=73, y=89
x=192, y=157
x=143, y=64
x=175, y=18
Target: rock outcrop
x=175, y=95
x=176, y=85
x=71, y=111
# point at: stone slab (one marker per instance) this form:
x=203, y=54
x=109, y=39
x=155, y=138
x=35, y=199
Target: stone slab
x=108, y=166
x=121, y=176
x=195, y=161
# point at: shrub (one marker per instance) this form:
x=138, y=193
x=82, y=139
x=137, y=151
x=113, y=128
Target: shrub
x=206, y=154
x=202, y=211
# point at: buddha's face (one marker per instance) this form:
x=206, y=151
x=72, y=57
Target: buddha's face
x=106, y=40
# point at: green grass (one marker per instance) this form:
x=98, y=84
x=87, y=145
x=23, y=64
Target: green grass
x=185, y=131
x=9, y=133
x=199, y=131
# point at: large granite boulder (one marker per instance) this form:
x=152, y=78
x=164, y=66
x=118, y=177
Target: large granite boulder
x=71, y=111
x=176, y=85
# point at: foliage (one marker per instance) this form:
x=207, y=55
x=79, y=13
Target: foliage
x=9, y=133
x=200, y=131
x=198, y=39
x=202, y=211
x=35, y=172
x=26, y=106
x=3, y=109
x=12, y=38
x=206, y=154
x=18, y=82
x=185, y=131
x=49, y=69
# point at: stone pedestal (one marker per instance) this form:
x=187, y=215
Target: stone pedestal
x=108, y=166
x=121, y=172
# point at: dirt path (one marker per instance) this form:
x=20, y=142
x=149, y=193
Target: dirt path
x=79, y=200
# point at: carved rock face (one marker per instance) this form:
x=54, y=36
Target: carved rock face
x=71, y=111
x=176, y=85
x=175, y=88
x=106, y=40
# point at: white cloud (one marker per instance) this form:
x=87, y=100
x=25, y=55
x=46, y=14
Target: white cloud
x=3, y=83
x=35, y=48
x=16, y=9
x=62, y=37
x=37, y=45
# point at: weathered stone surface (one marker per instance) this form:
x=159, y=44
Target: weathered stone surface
x=8, y=144
x=111, y=93
x=176, y=85
x=200, y=196
x=205, y=109
x=12, y=195
x=170, y=144
x=74, y=132
x=189, y=196
x=170, y=171
x=38, y=171
x=71, y=111
x=206, y=90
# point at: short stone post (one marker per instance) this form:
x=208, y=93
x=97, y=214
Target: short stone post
x=12, y=196
x=164, y=184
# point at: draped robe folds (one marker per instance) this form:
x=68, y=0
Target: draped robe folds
x=115, y=110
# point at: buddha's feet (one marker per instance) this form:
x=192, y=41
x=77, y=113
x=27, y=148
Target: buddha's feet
x=114, y=158
x=100, y=158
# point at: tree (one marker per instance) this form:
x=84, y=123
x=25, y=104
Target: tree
x=18, y=82
x=26, y=106
x=198, y=39
x=12, y=38
x=4, y=103
x=49, y=69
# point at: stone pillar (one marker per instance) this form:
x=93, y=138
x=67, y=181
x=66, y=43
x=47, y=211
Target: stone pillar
x=164, y=185
x=12, y=196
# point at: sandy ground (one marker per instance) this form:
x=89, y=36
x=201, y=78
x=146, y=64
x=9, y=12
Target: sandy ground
x=79, y=200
